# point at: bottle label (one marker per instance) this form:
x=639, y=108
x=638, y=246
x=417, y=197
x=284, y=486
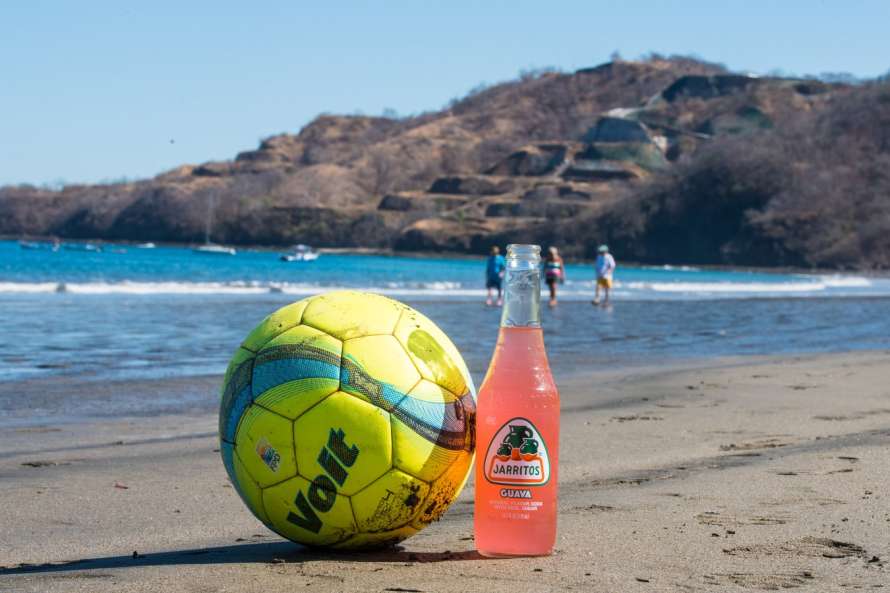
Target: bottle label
x=517, y=456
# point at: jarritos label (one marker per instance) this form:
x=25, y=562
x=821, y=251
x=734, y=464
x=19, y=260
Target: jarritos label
x=517, y=455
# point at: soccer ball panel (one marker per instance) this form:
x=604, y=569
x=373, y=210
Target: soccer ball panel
x=241, y=356
x=439, y=417
x=296, y=370
x=305, y=335
x=295, y=397
x=348, y=314
x=265, y=446
x=301, y=352
x=444, y=491
x=417, y=455
x=236, y=397
x=307, y=512
x=249, y=490
x=391, y=501
x=281, y=320
x=436, y=357
x=376, y=367
x=345, y=438
x=428, y=391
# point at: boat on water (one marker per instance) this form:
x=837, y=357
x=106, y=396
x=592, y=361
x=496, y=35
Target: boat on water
x=148, y=245
x=300, y=253
x=208, y=247
x=92, y=247
x=34, y=245
x=214, y=249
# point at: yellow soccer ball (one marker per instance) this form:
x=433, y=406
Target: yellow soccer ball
x=347, y=420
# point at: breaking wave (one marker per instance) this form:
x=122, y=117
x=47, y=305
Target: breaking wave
x=231, y=288
x=800, y=286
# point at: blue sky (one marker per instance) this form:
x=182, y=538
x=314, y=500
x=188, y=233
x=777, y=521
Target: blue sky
x=97, y=90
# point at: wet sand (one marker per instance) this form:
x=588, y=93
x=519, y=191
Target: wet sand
x=731, y=475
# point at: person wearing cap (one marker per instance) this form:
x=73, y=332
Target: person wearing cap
x=554, y=272
x=494, y=275
x=605, y=265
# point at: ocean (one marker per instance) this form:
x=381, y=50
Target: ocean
x=168, y=313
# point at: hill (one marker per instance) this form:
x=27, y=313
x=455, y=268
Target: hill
x=669, y=160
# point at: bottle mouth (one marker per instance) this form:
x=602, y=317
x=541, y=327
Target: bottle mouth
x=520, y=251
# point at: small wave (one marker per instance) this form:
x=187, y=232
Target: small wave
x=728, y=287
x=132, y=288
x=845, y=281
x=442, y=286
x=573, y=290
x=234, y=288
x=670, y=268
x=31, y=287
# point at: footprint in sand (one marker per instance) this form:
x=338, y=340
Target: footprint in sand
x=633, y=418
x=810, y=547
x=44, y=463
x=768, y=582
x=719, y=519
x=802, y=387
x=859, y=416
x=752, y=445
x=804, y=502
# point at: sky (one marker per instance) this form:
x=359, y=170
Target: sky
x=103, y=90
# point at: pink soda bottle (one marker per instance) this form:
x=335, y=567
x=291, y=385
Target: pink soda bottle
x=517, y=425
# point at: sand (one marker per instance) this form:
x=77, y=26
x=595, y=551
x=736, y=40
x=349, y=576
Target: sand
x=728, y=475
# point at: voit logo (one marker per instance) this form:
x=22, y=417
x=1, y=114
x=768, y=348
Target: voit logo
x=517, y=455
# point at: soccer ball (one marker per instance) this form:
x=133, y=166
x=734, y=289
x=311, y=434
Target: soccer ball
x=347, y=420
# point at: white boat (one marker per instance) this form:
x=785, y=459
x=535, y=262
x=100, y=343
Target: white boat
x=214, y=249
x=40, y=245
x=34, y=245
x=300, y=253
x=82, y=247
x=208, y=247
x=148, y=245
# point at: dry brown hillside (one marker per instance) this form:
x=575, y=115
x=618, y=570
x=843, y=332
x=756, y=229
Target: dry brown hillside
x=638, y=153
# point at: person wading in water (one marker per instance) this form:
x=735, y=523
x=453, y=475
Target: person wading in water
x=605, y=266
x=554, y=272
x=494, y=275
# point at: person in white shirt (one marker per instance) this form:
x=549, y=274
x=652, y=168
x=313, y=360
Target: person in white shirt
x=605, y=265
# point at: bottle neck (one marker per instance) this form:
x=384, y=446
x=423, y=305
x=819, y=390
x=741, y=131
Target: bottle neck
x=522, y=296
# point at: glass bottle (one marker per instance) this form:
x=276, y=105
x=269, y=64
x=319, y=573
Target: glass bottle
x=517, y=425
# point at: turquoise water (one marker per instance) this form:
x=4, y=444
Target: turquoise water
x=74, y=317
x=169, y=270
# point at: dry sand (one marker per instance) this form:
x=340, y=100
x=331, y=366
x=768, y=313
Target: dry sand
x=738, y=475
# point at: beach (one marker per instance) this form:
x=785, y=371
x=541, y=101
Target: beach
x=739, y=473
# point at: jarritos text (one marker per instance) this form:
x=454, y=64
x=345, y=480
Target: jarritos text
x=517, y=455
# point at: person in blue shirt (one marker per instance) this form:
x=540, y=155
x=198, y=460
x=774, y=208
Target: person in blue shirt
x=494, y=275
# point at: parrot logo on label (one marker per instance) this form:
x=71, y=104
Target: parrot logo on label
x=517, y=455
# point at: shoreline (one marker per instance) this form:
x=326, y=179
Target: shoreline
x=761, y=473
x=455, y=255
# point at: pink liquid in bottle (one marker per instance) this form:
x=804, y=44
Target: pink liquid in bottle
x=517, y=425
